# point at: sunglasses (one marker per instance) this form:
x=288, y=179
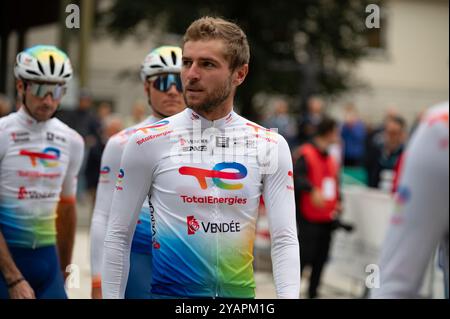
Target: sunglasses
x=41, y=90
x=164, y=82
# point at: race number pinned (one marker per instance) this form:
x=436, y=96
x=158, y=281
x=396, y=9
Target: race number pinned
x=329, y=188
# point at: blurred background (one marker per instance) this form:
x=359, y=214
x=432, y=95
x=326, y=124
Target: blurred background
x=360, y=65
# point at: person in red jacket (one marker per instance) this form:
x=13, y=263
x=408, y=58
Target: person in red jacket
x=317, y=199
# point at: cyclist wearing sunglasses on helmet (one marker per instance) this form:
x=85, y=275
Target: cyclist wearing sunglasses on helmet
x=160, y=73
x=40, y=158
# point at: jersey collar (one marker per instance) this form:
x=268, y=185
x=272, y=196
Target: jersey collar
x=205, y=123
x=151, y=119
x=28, y=121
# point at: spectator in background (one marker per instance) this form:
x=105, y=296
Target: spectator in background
x=317, y=199
x=5, y=105
x=385, y=153
x=104, y=110
x=138, y=114
x=308, y=121
x=86, y=123
x=374, y=137
x=112, y=125
x=353, y=133
x=282, y=121
x=83, y=119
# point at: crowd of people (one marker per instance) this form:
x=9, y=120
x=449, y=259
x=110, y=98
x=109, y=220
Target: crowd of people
x=374, y=149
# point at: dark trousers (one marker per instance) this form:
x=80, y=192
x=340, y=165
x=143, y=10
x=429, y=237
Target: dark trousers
x=40, y=267
x=315, y=240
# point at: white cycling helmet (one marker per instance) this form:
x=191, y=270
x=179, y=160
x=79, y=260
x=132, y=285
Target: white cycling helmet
x=44, y=63
x=165, y=59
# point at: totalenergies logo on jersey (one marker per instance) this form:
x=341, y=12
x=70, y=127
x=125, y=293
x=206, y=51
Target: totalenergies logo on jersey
x=48, y=158
x=267, y=134
x=119, y=181
x=158, y=126
x=105, y=170
x=442, y=119
x=438, y=118
x=104, y=174
x=217, y=174
x=403, y=195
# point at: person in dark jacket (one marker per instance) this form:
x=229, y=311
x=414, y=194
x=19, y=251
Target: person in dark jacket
x=353, y=133
x=307, y=125
x=386, y=149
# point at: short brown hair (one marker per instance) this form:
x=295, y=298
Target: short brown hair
x=326, y=126
x=211, y=28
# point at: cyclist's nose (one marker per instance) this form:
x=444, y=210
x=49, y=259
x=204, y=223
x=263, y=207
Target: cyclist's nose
x=173, y=90
x=48, y=99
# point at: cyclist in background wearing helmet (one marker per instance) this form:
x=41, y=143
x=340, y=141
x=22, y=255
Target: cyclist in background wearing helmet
x=40, y=158
x=160, y=73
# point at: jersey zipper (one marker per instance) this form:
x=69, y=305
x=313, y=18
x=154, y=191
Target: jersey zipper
x=216, y=214
x=40, y=182
x=43, y=138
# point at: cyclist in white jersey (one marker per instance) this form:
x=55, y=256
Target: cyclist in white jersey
x=204, y=171
x=40, y=158
x=420, y=220
x=160, y=73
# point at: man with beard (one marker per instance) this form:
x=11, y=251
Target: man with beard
x=40, y=158
x=204, y=171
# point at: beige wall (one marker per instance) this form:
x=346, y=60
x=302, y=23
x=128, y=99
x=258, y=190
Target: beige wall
x=417, y=47
x=413, y=72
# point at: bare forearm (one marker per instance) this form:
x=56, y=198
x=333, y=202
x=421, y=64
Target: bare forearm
x=65, y=226
x=7, y=266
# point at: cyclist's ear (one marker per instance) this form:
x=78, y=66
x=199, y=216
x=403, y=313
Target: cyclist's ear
x=20, y=86
x=240, y=74
x=147, y=87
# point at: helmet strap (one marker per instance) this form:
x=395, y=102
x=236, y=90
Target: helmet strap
x=25, y=84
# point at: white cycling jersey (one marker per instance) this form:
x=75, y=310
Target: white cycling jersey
x=204, y=180
x=420, y=220
x=39, y=164
x=110, y=165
